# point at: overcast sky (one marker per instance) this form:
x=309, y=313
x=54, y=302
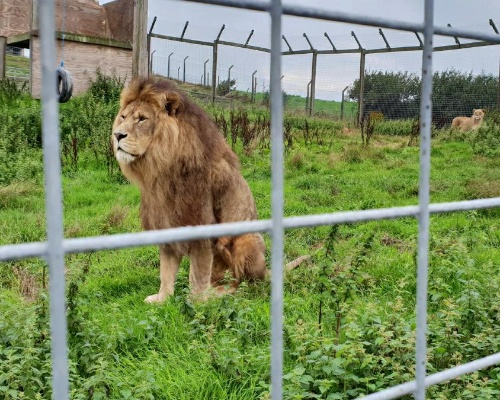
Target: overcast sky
x=334, y=72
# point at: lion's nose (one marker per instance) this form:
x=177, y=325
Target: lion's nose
x=119, y=136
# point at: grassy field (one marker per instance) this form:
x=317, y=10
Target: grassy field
x=349, y=313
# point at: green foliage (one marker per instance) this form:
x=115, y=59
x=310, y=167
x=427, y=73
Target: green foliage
x=456, y=93
x=224, y=87
x=11, y=91
x=486, y=140
x=349, y=319
x=394, y=94
x=397, y=94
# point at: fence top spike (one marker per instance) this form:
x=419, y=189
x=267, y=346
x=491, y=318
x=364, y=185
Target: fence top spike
x=249, y=36
x=220, y=32
x=152, y=25
x=356, y=39
x=456, y=39
x=419, y=39
x=494, y=26
x=288, y=44
x=330, y=40
x=381, y=32
x=308, y=41
x=184, y=30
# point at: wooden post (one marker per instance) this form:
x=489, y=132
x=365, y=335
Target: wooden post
x=3, y=49
x=361, y=87
x=313, y=83
x=140, y=56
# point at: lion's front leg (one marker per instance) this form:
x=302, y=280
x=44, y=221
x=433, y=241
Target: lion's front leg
x=200, y=268
x=169, y=265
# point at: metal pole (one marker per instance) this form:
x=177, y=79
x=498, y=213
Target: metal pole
x=308, y=95
x=168, y=73
x=423, y=200
x=178, y=73
x=53, y=202
x=313, y=83
x=277, y=231
x=184, y=70
x=3, y=50
x=253, y=86
x=361, y=97
x=151, y=62
x=205, y=72
x=342, y=104
x=214, y=69
x=229, y=78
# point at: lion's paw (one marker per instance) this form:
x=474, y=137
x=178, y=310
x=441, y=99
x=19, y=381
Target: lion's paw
x=154, y=298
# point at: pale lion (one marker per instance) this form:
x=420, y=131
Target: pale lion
x=468, y=123
x=187, y=175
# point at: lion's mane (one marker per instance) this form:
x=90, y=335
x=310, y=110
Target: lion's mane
x=187, y=175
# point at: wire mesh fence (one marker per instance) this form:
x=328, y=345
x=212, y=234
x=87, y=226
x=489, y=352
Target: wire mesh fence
x=55, y=247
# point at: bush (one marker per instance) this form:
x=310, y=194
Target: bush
x=224, y=87
x=486, y=140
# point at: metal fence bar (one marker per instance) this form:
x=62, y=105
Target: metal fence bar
x=53, y=202
x=277, y=187
x=328, y=15
x=434, y=379
x=423, y=201
x=55, y=247
x=122, y=240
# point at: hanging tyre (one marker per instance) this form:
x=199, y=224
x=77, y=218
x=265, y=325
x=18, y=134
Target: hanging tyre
x=64, y=84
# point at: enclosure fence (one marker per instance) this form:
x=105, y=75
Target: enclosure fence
x=54, y=249
x=365, y=66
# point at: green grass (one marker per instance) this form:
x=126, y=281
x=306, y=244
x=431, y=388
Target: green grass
x=361, y=277
x=18, y=62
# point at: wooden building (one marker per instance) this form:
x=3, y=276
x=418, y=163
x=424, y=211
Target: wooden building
x=89, y=37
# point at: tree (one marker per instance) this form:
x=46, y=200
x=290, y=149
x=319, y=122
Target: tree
x=397, y=94
x=394, y=94
x=224, y=87
x=456, y=93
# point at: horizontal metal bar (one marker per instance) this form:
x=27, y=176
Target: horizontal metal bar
x=439, y=377
x=38, y=249
x=328, y=15
x=178, y=39
x=250, y=47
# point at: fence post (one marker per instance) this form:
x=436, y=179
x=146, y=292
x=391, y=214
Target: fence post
x=3, y=50
x=140, y=56
x=214, y=70
x=313, y=83
x=361, y=97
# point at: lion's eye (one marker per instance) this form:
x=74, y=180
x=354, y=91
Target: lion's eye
x=122, y=116
x=142, y=118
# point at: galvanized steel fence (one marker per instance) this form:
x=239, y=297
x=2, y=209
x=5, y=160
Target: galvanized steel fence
x=54, y=249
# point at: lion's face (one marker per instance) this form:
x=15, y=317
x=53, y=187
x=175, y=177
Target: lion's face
x=478, y=114
x=133, y=131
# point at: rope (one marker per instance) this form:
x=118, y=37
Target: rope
x=63, y=31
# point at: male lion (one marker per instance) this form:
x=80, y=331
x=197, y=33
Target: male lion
x=187, y=175
x=468, y=123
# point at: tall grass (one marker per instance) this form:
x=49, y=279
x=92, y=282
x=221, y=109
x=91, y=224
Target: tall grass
x=349, y=320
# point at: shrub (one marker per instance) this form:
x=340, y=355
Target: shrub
x=486, y=140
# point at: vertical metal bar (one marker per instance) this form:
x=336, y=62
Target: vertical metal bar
x=313, y=83
x=53, y=201
x=3, y=51
x=214, y=69
x=277, y=231
x=361, y=98
x=423, y=218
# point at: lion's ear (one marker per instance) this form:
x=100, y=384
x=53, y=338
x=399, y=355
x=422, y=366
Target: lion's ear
x=173, y=103
x=473, y=110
